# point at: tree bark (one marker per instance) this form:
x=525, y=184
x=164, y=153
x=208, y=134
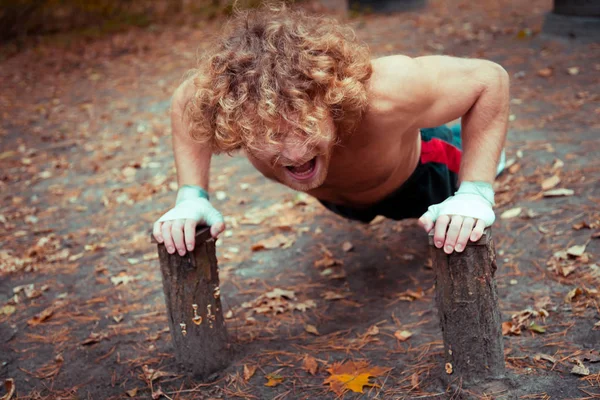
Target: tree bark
x=192, y=297
x=467, y=302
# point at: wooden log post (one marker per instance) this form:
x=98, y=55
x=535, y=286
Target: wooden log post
x=467, y=302
x=193, y=300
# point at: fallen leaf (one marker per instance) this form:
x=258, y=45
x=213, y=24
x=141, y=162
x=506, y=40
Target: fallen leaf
x=512, y=213
x=41, y=317
x=305, y=305
x=309, y=364
x=372, y=331
x=329, y=295
x=311, y=329
x=229, y=314
x=449, y=368
x=558, y=192
x=347, y=246
x=536, y=328
x=545, y=357
x=9, y=385
x=249, y=372
x=558, y=164
x=377, y=220
x=580, y=369
x=122, y=279
x=327, y=261
x=403, y=336
x=550, y=183
x=573, y=71
x=508, y=328
x=7, y=310
x=352, y=376
x=273, y=242
x=576, y=251
x=280, y=293
x=545, y=72
x=567, y=270
x=581, y=225
x=151, y=374
x=273, y=380
x=132, y=392
x=94, y=338
x=573, y=294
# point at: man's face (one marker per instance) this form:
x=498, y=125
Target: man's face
x=295, y=164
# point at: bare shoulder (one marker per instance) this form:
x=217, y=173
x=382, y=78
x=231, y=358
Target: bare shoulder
x=183, y=94
x=396, y=83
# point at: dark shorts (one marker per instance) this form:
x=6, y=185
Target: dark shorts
x=433, y=181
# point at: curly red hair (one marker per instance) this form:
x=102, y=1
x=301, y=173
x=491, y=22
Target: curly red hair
x=275, y=65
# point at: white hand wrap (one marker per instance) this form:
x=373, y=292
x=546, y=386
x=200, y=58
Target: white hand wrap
x=473, y=199
x=191, y=204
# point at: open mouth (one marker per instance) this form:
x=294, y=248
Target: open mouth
x=304, y=171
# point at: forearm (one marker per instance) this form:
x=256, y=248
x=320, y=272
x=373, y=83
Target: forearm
x=484, y=128
x=192, y=162
x=192, y=159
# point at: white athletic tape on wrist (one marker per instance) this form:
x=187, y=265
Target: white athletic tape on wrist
x=473, y=199
x=187, y=192
x=198, y=209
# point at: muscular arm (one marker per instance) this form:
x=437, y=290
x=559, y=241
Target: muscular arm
x=192, y=160
x=477, y=91
x=434, y=90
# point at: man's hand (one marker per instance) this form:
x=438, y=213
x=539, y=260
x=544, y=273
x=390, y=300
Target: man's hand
x=177, y=228
x=461, y=217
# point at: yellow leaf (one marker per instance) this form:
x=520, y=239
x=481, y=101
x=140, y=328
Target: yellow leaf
x=352, y=376
x=132, y=392
x=273, y=380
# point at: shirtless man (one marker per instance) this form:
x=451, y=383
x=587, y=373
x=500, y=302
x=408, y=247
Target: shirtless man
x=311, y=110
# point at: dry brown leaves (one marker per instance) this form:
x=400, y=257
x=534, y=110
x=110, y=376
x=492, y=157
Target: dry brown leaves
x=9, y=385
x=353, y=375
x=278, y=301
x=310, y=365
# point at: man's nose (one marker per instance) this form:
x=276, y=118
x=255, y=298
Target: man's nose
x=294, y=151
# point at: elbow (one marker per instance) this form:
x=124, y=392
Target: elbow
x=497, y=77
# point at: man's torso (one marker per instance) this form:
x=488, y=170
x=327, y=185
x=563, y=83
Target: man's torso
x=376, y=159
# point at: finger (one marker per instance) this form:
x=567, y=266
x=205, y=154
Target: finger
x=465, y=233
x=440, y=230
x=426, y=221
x=190, y=233
x=177, y=234
x=452, y=234
x=156, y=232
x=477, y=231
x=166, y=234
x=217, y=229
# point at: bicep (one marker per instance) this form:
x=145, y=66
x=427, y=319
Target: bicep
x=445, y=88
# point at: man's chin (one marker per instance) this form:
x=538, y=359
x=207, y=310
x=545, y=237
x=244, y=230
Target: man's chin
x=305, y=185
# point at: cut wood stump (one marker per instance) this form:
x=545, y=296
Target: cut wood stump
x=193, y=300
x=467, y=302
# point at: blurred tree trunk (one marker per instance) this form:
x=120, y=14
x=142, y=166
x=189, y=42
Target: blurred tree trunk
x=580, y=8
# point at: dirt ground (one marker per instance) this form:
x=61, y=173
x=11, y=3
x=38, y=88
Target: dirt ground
x=86, y=167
